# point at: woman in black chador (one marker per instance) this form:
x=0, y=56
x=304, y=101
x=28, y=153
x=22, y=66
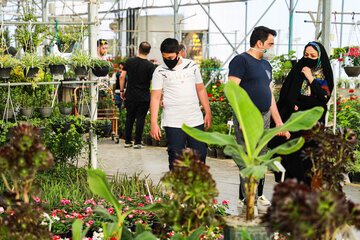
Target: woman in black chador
x=309, y=84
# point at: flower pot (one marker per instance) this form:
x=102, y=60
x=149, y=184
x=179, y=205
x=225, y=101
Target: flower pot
x=235, y=225
x=65, y=110
x=5, y=72
x=9, y=113
x=81, y=71
x=211, y=152
x=82, y=109
x=58, y=69
x=69, y=79
x=148, y=140
x=27, y=112
x=60, y=127
x=83, y=128
x=354, y=177
x=103, y=130
x=100, y=71
x=220, y=153
x=31, y=73
x=69, y=47
x=163, y=142
x=45, y=111
x=352, y=71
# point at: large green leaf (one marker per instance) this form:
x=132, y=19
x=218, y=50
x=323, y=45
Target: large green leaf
x=238, y=154
x=209, y=137
x=286, y=148
x=99, y=185
x=146, y=236
x=248, y=115
x=196, y=234
x=257, y=172
x=77, y=232
x=105, y=213
x=301, y=120
x=110, y=228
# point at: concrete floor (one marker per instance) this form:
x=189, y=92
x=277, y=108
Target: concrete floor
x=115, y=158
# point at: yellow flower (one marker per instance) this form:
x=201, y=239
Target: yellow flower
x=347, y=106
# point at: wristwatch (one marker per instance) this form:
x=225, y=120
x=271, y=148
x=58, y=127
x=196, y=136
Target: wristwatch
x=122, y=90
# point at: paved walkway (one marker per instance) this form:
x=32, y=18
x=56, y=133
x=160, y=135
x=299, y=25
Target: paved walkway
x=115, y=158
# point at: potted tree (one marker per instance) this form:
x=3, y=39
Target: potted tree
x=6, y=64
x=81, y=63
x=31, y=64
x=56, y=64
x=103, y=128
x=255, y=137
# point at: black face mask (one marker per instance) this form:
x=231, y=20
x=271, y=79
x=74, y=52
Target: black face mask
x=311, y=63
x=171, y=63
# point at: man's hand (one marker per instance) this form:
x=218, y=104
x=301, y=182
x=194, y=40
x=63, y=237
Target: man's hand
x=207, y=121
x=285, y=134
x=122, y=95
x=296, y=108
x=155, y=131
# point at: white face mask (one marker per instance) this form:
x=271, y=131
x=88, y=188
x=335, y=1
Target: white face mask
x=268, y=54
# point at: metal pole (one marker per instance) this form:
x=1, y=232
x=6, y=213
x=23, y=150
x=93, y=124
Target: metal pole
x=14, y=84
x=317, y=20
x=246, y=24
x=326, y=24
x=267, y=9
x=176, y=9
x=341, y=33
x=208, y=35
x=93, y=34
x=46, y=23
x=44, y=14
x=291, y=14
x=228, y=41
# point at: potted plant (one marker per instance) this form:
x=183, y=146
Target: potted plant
x=302, y=214
x=103, y=128
x=56, y=64
x=106, y=105
x=31, y=63
x=66, y=107
x=349, y=59
x=45, y=103
x=69, y=75
x=99, y=67
x=81, y=63
x=68, y=36
x=255, y=138
x=27, y=103
x=29, y=36
x=7, y=62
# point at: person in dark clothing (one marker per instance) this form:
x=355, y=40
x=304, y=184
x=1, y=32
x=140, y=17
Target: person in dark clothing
x=116, y=86
x=309, y=84
x=137, y=96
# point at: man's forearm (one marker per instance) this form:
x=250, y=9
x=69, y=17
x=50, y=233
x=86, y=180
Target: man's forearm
x=203, y=97
x=275, y=112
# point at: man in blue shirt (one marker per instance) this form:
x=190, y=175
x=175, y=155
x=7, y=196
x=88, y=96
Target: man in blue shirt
x=254, y=74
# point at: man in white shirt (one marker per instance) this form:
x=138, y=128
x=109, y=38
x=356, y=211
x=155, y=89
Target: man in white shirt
x=180, y=82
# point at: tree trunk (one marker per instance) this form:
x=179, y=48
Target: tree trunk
x=250, y=187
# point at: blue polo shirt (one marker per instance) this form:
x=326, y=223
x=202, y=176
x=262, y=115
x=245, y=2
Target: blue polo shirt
x=255, y=78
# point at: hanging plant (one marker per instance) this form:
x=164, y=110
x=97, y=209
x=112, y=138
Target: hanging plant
x=67, y=36
x=31, y=64
x=6, y=64
x=29, y=36
x=56, y=64
x=81, y=63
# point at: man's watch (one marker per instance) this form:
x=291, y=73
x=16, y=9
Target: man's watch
x=122, y=90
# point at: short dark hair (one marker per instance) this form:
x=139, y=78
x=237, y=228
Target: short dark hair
x=182, y=47
x=101, y=42
x=144, y=48
x=170, y=45
x=260, y=33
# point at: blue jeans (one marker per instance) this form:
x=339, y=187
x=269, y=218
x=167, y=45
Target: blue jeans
x=177, y=139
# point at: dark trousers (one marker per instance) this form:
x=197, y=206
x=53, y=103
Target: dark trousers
x=240, y=140
x=138, y=111
x=177, y=139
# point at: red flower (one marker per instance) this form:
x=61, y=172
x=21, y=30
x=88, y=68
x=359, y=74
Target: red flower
x=217, y=84
x=115, y=64
x=221, y=98
x=209, y=95
x=56, y=237
x=351, y=90
x=214, y=99
x=338, y=103
x=118, y=57
x=219, y=81
x=340, y=59
x=225, y=202
x=352, y=49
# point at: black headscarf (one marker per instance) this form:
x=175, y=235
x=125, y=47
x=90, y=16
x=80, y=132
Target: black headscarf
x=290, y=90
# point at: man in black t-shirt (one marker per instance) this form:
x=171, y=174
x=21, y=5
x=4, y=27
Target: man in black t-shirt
x=137, y=95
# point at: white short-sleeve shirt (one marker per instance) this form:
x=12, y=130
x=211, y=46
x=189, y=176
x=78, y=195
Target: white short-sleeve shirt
x=181, y=102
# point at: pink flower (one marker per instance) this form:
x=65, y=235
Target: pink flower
x=88, y=209
x=36, y=199
x=126, y=208
x=356, y=54
x=91, y=222
x=110, y=210
x=130, y=216
x=225, y=202
x=352, y=49
x=340, y=59
x=141, y=204
x=56, y=237
x=87, y=224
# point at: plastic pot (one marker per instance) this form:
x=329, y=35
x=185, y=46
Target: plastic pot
x=100, y=71
x=45, y=111
x=103, y=130
x=5, y=72
x=81, y=71
x=27, y=112
x=31, y=73
x=352, y=71
x=65, y=110
x=58, y=69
